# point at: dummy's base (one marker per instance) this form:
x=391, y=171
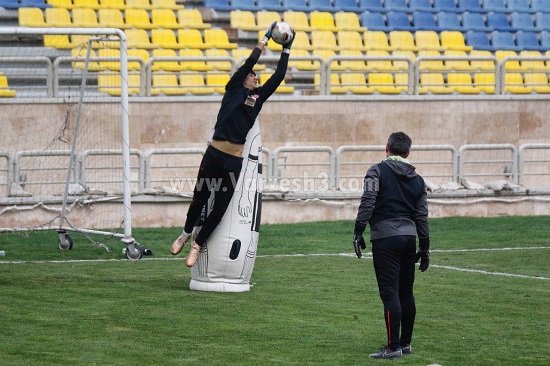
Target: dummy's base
x=218, y=286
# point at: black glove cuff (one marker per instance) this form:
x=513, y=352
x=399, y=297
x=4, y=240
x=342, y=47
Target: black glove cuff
x=359, y=227
x=424, y=244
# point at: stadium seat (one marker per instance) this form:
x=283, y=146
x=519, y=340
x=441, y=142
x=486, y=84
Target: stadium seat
x=348, y=21
x=244, y=20
x=475, y=22
x=402, y=40
x=356, y=83
x=519, y=6
x=351, y=6
x=383, y=83
x=479, y=41
x=5, y=91
x=454, y=40
x=540, y=5
x=321, y=5
x=350, y=40
x=166, y=38
x=217, y=82
x=192, y=18
x=9, y=4
x=504, y=41
x=397, y=6
x=86, y=4
x=449, y=21
x=353, y=65
x=538, y=82
x=462, y=83
x=499, y=22
x=40, y=4
x=166, y=84
x=481, y=64
x=542, y=21
x=168, y=65
x=60, y=41
x=194, y=83
x=324, y=40
x=165, y=18
x=166, y=4
x=446, y=6
x=434, y=65
x=485, y=82
x=528, y=41
x=264, y=19
x=138, y=38
x=301, y=41
x=472, y=6
x=65, y=4
x=113, y=4
x=218, y=38
x=220, y=65
x=403, y=65
x=514, y=84
x=139, y=18
x=249, y=5
x=511, y=65
x=335, y=87
x=31, y=17
x=58, y=17
x=219, y=5
x=371, y=5
x=532, y=65
x=194, y=65
x=80, y=53
x=399, y=21
x=424, y=21
x=433, y=83
x=495, y=5
x=271, y=5
x=111, y=18
x=298, y=19
x=402, y=82
x=376, y=40
x=545, y=39
x=114, y=53
x=281, y=89
x=138, y=4
x=381, y=64
x=428, y=40
x=522, y=21
x=457, y=65
x=134, y=53
x=85, y=17
x=302, y=65
x=296, y=5
x=323, y=21
x=192, y=38
x=326, y=55
x=421, y=6
x=374, y=22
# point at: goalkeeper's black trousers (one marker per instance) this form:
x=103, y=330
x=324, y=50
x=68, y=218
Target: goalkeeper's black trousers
x=218, y=172
x=394, y=264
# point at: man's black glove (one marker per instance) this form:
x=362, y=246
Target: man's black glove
x=423, y=254
x=358, y=243
x=289, y=44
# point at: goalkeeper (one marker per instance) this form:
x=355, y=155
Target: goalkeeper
x=394, y=204
x=221, y=164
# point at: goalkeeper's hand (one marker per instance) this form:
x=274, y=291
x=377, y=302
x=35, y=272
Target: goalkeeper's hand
x=424, y=256
x=358, y=243
x=268, y=33
x=289, y=44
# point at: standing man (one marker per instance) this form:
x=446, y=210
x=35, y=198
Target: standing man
x=221, y=164
x=394, y=204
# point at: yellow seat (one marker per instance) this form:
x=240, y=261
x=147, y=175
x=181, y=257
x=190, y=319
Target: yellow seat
x=87, y=4
x=85, y=17
x=428, y=40
x=454, y=40
x=282, y=88
x=376, y=40
x=110, y=83
x=218, y=38
x=435, y=65
x=194, y=83
x=383, y=83
x=301, y=42
x=324, y=40
x=348, y=21
x=303, y=65
x=111, y=18
x=326, y=55
x=165, y=18
x=60, y=41
x=480, y=64
x=65, y=4
x=166, y=4
x=244, y=20
x=515, y=85
x=139, y=18
x=433, y=83
x=31, y=17
x=354, y=65
x=403, y=65
x=194, y=65
x=271, y=45
x=402, y=40
x=538, y=82
x=112, y=4
x=298, y=20
x=350, y=40
x=335, y=86
x=512, y=65
x=462, y=83
x=166, y=84
x=380, y=65
x=5, y=91
x=485, y=82
x=532, y=65
x=112, y=53
x=58, y=17
x=243, y=53
x=166, y=65
x=264, y=18
x=192, y=38
x=138, y=38
x=165, y=38
x=356, y=83
x=217, y=64
x=459, y=65
x=547, y=54
x=402, y=82
x=138, y=4
x=192, y=18
x=322, y=21
x=81, y=52
x=217, y=81
x=134, y=53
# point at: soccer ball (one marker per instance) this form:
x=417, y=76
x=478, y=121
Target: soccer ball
x=282, y=33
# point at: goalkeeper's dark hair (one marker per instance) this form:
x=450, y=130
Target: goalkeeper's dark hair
x=399, y=143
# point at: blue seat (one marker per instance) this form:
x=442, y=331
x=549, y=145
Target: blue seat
x=479, y=41
x=499, y=22
x=249, y=5
x=372, y=5
x=519, y=6
x=271, y=5
x=221, y=5
x=347, y=5
x=446, y=6
x=545, y=39
x=522, y=21
x=542, y=20
x=9, y=4
x=504, y=41
x=472, y=6
x=374, y=21
x=475, y=22
x=296, y=5
x=425, y=21
x=540, y=5
x=34, y=4
x=397, y=5
x=495, y=5
x=421, y=5
x=398, y=20
x=528, y=41
x=321, y=5
x=449, y=21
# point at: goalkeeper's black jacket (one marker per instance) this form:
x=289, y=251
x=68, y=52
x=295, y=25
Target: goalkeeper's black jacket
x=240, y=105
x=393, y=202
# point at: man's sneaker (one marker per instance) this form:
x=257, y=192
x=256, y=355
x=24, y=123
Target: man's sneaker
x=386, y=352
x=193, y=255
x=407, y=350
x=178, y=244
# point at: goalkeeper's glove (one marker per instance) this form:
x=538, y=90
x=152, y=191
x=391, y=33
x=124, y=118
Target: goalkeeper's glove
x=289, y=44
x=358, y=243
x=267, y=35
x=423, y=254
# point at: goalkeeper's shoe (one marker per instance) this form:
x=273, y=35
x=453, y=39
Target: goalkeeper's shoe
x=179, y=243
x=193, y=255
x=386, y=352
x=406, y=350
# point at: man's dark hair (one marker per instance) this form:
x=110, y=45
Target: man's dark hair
x=399, y=143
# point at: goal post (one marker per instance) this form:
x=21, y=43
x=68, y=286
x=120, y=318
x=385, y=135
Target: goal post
x=48, y=135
